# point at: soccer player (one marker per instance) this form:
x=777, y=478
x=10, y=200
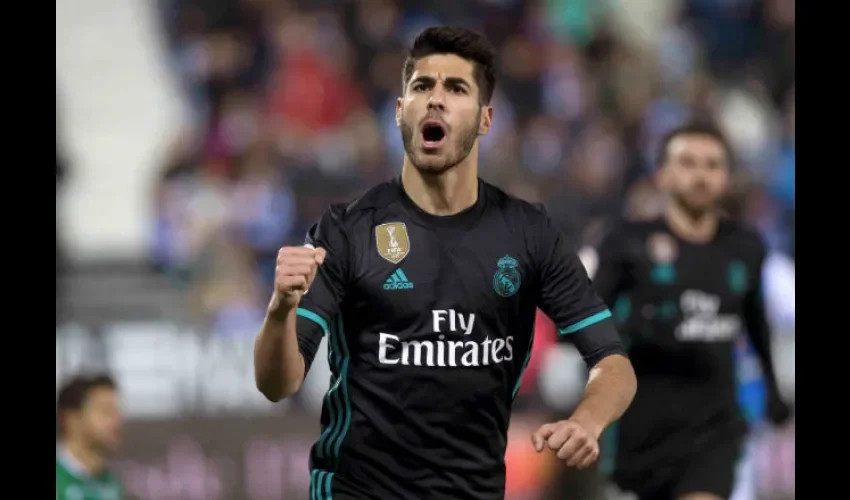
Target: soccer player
x=426, y=288
x=90, y=424
x=686, y=285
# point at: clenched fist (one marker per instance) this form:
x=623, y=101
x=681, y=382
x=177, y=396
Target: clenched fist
x=573, y=443
x=296, y=268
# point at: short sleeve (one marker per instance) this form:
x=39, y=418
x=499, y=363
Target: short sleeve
x=320, y=305
x=566, y=296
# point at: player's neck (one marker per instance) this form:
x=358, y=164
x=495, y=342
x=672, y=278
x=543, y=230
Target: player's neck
x=85, y=456
x=692, y=227
x=448, y=193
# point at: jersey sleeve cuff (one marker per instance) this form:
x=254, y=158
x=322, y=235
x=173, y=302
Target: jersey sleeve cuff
x=310, y=327
x=587, y=322
x=592, y=358
x=595, y=337
x=308, y=321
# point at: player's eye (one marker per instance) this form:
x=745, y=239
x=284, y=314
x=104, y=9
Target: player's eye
x=418, y=87
x=458, y=90
x=715, y=165
x=687, y=162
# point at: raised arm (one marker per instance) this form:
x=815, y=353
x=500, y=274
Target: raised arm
x=296, y=320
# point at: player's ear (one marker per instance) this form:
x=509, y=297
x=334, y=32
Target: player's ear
x=486, y=120
x=398, y=112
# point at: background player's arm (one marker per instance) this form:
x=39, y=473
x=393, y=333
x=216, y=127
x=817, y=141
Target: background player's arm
x=759, y=332
x=293, y=329
x=582, y=318
x=611, y=276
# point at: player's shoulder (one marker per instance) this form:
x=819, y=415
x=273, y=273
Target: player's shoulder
x=350, y=212
x=622, y=229
x=514, y=207
x=742, y=235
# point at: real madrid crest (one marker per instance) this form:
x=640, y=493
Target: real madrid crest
x=736, y=276
x=392, y=241
x=662, y=248
x=507, y=279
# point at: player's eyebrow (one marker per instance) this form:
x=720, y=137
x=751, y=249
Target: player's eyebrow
x=450, y=81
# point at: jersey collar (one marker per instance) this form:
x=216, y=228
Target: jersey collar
x=462, y=219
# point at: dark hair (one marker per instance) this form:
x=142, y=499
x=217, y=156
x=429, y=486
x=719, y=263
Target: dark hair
x=698, y=128
x=463, y=43
x=75, y=392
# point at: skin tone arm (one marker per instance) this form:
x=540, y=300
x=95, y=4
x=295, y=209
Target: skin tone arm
x=610, y=389
x=278, y=363
x=609, y=392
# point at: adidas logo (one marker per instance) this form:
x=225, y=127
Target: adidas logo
x=398, y=281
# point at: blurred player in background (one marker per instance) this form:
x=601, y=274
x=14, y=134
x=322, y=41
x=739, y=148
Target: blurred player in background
x=685, y=287
x=90, y=423
x=427, y=289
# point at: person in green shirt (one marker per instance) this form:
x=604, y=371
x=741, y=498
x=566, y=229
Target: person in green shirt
x=90, y=423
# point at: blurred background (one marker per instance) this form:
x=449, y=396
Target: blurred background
x=195, y=137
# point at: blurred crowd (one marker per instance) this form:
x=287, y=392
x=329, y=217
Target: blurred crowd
x=292, y=106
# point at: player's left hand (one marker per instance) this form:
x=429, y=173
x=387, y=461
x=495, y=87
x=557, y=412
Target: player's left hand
x=574, y=442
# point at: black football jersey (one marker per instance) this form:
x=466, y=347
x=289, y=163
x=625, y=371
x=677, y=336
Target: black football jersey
x=430, y=322
x=680, y=307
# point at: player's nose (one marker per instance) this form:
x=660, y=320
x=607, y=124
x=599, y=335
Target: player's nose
x=436, y=101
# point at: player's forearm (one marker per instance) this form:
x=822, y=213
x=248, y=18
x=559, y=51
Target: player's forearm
x=760, y=340
x=609, y=392
x=278, y=363
x=759, y=333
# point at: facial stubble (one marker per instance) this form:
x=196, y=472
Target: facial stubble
x=457, y=151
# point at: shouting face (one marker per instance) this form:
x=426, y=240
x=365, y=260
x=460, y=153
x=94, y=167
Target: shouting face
x=440, y=114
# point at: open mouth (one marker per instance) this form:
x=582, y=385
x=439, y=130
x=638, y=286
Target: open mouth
x=433, y=135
